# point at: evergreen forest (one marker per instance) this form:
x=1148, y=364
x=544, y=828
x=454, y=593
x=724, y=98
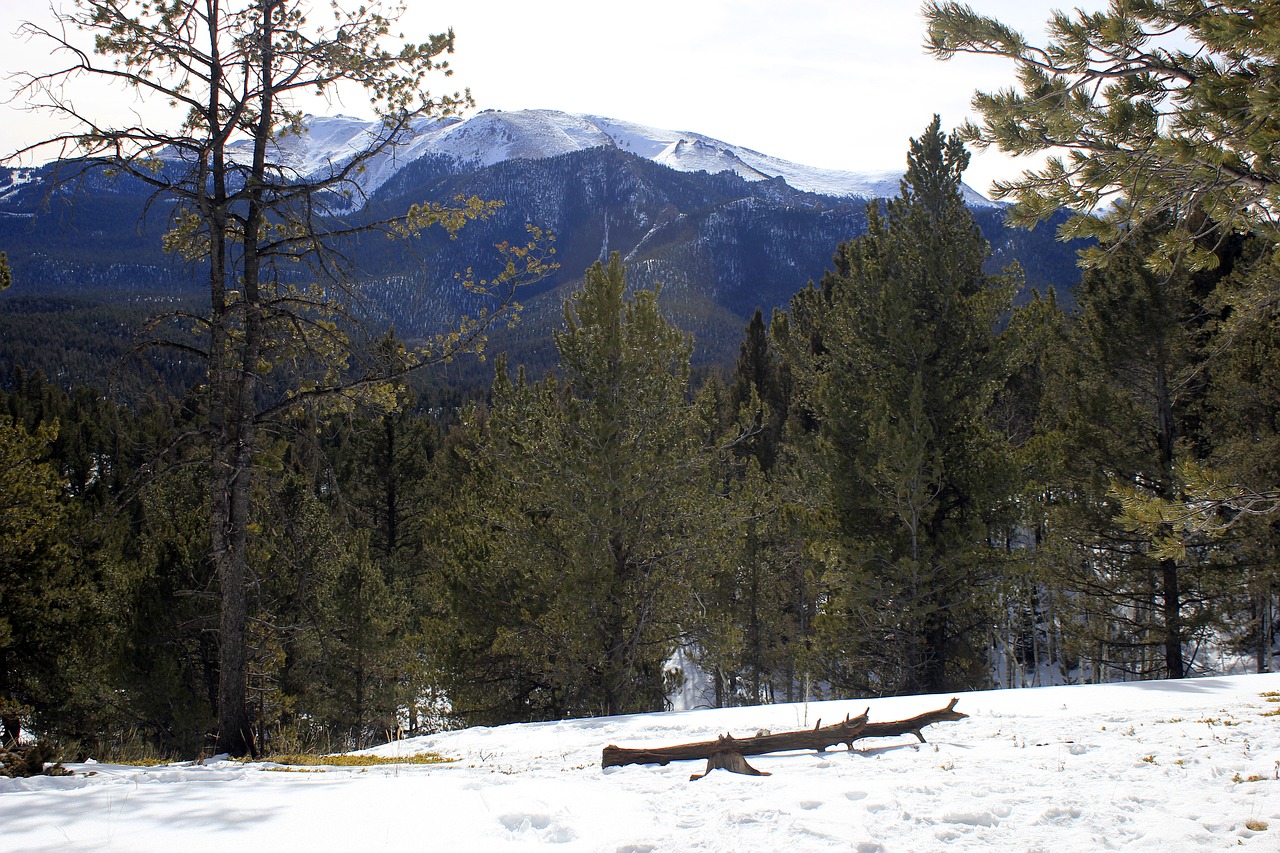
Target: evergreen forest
x=907, y=483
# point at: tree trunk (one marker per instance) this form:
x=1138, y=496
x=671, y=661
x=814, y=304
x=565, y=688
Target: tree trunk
x=1170, y=593
x=229, y=516
x=10, y=722
x=1172, y=602
x=934, y=641
x=391, y=504
x=233, y=455
x=1262, y=618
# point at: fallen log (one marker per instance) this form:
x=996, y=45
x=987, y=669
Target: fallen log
x=818, y=738
x=915, y=724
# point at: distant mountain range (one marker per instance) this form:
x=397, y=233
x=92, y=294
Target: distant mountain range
x=723, y=228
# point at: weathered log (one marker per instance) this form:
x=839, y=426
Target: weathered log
x=914, y=725
x=818, y=738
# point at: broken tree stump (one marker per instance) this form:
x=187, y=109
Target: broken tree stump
x=818, y=738
x=727, y=760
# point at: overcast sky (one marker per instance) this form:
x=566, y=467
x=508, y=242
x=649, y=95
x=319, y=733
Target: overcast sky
x=832, y=83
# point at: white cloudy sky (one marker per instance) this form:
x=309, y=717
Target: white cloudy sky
x=832, y=83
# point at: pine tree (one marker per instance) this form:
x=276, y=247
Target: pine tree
x=766, y=590
x=901, y=368
x=1243, y=418
x=760, y=387
x=1028, y=642
x=66, y=581
x=270, y=347
x=1127, y=408
x=601, y=518
x=1161, y=104
x=40, y=596
x=1154, y=113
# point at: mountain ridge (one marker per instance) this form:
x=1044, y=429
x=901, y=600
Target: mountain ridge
x=489, y=137
x=720, y=243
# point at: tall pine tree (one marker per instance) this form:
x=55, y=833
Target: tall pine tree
x=599, y=513
x=898, y=348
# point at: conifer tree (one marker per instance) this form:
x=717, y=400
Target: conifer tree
x=1152, y=112
x=601, y=518
x=1244, y=420
x=232, y=69
x=40, y=597
x=1128, y=408
x=900, y=366
x=1161, y=104
x=767, y=592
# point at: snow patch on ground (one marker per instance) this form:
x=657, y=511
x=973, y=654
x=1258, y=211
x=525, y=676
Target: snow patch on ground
x=1161, y=766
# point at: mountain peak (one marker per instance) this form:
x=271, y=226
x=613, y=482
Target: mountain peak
x=495, y=136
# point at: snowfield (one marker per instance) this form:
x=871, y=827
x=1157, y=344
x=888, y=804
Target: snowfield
x=327, y=143
x=1161, y=766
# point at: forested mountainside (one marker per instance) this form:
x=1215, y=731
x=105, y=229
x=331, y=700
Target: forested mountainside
x=719, y=245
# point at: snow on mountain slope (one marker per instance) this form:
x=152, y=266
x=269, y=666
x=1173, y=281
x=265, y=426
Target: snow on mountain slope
x=493, y=136
x=1162, y=766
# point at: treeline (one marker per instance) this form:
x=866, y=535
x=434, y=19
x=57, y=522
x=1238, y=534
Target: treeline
x=905, y=485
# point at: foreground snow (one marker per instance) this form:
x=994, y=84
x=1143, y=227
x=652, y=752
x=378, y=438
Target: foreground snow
x=1167, y=766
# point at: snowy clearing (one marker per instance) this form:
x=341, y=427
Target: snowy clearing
x=1167, y=766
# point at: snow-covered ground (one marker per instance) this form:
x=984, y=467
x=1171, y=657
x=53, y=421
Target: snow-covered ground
x=1161, y=766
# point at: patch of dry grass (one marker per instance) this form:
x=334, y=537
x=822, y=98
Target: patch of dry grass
x=315, y=760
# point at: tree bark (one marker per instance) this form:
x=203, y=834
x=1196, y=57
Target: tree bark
x=1171, y=599
x=818, y=738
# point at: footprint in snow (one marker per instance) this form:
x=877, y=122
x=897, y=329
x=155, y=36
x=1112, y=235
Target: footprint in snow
x=1059, y=815
x=541, y=824
x=976, y=818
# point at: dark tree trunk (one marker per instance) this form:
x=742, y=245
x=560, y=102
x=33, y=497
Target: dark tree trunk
x=1261, y=602
x=233, y=454
x=1172, y=603
x=10, y=723
x=1170, y=590
x=933, y=668
x=390, y=497
x=229, y=515
x=619, y=675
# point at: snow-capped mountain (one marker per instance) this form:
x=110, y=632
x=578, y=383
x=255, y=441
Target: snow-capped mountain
x=494, y=136
x=723, y=229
